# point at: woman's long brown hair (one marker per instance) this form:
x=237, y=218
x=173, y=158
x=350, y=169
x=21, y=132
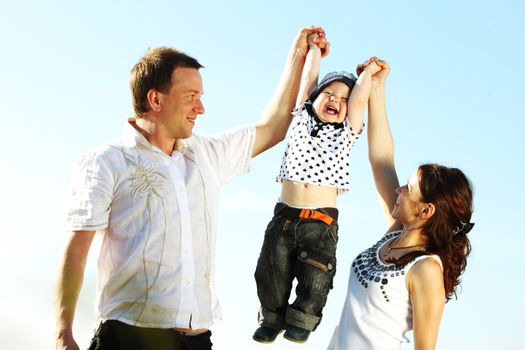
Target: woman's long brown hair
x=446, y=231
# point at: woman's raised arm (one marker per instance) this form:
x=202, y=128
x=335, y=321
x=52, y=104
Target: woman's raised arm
x=380, y=141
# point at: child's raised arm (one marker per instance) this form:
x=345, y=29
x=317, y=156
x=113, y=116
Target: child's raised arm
x=359, y=96
x=312, y=65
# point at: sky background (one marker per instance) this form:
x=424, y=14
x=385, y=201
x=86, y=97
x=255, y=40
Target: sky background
x=455, y=96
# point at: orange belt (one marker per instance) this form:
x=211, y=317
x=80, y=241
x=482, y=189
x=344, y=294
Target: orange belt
x=316, y=215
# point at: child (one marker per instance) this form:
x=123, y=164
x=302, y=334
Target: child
x=300, y=241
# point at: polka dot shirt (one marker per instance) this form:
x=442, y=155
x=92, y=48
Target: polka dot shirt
x=318, y=153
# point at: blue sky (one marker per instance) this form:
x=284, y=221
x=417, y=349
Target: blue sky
x=455, y=97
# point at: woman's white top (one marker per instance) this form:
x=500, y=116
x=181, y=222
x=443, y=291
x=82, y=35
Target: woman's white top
x=377, y=312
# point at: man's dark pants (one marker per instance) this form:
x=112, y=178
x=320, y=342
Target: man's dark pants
x=116, y=335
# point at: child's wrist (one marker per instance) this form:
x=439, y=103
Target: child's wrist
x=365, y=75
x=314, y=49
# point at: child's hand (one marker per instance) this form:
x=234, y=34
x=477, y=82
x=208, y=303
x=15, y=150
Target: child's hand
x=379, y=69
x=323, y=44
x=317, y=41
x=312, y=35
x=312, y=39
x=372, y=68
x=361, y=67
x=382, y=74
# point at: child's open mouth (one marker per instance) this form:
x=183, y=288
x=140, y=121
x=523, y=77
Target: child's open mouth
x=331, y=110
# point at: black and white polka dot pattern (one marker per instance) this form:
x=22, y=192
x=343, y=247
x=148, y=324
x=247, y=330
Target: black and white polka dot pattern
x=318, y=153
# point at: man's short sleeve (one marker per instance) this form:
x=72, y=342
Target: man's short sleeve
x=230, y=152
x=90, y=194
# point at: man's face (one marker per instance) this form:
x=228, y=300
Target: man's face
x=180, y=106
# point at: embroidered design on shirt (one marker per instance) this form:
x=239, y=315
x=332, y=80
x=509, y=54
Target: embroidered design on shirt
x=368, y=268
x=144, y=179
x=146, y=182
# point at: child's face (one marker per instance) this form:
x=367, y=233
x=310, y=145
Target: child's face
x=332, y=103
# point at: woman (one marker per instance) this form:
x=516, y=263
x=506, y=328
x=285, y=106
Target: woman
x=403, y=281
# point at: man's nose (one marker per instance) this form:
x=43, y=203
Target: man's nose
x=199, y=107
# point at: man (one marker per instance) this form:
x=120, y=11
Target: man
x=153, y=195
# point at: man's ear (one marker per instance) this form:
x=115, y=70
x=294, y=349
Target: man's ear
x=153, y=97
x=428, y=211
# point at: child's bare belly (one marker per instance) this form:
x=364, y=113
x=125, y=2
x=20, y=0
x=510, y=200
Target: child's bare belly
x=308, y=195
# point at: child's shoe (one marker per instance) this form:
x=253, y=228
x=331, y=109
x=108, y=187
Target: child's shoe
x=265, y=335
x=296, y=334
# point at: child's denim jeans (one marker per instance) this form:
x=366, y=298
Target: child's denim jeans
x=299, y=248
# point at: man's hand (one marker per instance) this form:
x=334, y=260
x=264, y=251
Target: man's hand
x=69, y=282
x=66, y=342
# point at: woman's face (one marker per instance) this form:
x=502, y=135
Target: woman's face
x=409, y=201
x=332, y=103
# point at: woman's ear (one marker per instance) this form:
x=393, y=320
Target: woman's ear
x=153, y=97
x=428, y=211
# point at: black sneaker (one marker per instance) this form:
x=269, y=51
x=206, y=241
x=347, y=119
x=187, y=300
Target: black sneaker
x=265, y=335
x=296, y=334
